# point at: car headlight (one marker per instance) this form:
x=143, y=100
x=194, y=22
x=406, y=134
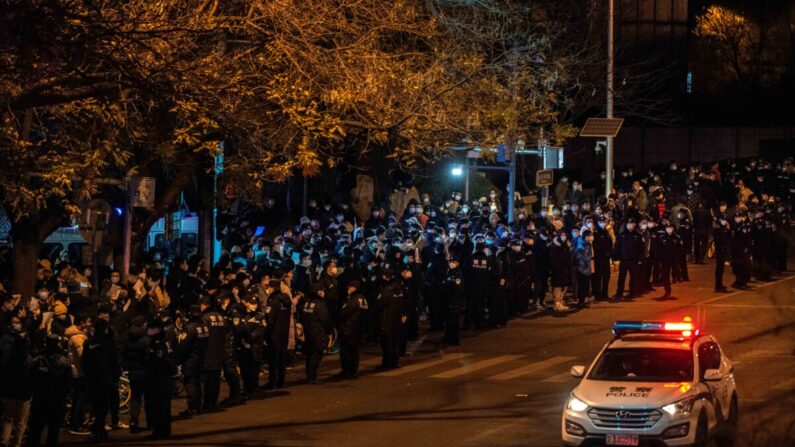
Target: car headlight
x=575, y=404
x=681, y=406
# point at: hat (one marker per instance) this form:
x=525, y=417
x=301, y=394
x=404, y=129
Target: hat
x=44, y=264
x=632, y=220
x=59, y=308
x=204, y=301
x=355, y=284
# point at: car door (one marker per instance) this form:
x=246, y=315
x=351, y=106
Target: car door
x=710, y=357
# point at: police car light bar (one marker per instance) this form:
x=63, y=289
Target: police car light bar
x=685, y=327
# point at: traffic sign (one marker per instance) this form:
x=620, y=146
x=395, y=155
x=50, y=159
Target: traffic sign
x=602, y=127
x=544, y=178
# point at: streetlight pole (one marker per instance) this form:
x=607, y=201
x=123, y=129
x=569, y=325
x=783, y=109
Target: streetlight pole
x=609, y=149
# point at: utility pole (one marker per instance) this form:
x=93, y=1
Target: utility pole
x=609, y=149
x=127, y=229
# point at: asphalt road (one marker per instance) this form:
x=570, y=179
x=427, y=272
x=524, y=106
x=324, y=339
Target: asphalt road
x=506, y=387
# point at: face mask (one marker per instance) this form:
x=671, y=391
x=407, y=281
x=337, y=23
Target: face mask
x=781, y=209
x=689, y=192
x=601, y=225
x=602, y=176
x=563, y=238
x=556, y=213
x=574, y=209
x=43, y=295
x=114, y=280
x=589, y=225
x=543, y=214
x=489, y=241
x=458, y=198
x=631, y=227
x=521, y=216
x=681, y=216
x=643, y=226
x=598, y=212
x=465, y=209
x=543, y=238
x=306, y=263
x=492, y=195
x=16, y=327
x=516, y=249
x=433, y=213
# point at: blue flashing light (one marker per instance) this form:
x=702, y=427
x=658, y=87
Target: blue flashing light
x=620, y=327
x=118, y=211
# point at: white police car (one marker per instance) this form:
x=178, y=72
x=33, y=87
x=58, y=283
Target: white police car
x=653, y=384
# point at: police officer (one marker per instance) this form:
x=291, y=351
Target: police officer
x=214, y=356
x=543, y=267
x=721, y=233
x=482, y=283
x=670, y=245
x=251, y=345
x=602, y=250
x=761, y=231
x=231, y=364
x=160, y=389
x=454, y=293
x=516, y=271
x=52, y=376
x=316, y=319
x=685, y=232
x=629, y=252
x=392, y=317
x=279, y=316
x=351, y=325
x=741, y=251
x=193, y=337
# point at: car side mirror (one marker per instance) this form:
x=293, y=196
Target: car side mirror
x=577, y=371
x=712, y=375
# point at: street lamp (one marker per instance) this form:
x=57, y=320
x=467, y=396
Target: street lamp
x=457, y=171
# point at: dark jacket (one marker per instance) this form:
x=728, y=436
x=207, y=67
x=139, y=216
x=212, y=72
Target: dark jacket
x=216, y=342
x=561, y=258
x=192, y=348
x=279, y=313
x=316, y=320
x=101, y=360
x=352, y=319
x=15, y=366
x=629, y=246
x=392, y=309
x=134, y=353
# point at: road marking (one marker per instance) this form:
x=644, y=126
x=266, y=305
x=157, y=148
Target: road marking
x=786, y=386
x=477, y=366
x=531, y=368
x=762, y=286
x=423, y=365
x=559, y=378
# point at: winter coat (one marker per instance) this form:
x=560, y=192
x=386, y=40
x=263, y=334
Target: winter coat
x=15, y=366
x=133, y=353
x=561, y=260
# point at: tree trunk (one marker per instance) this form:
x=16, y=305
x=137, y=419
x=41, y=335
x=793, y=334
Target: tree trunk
x=25, y=256
x=27, y=236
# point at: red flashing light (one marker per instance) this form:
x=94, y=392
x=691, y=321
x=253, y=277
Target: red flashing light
x=679, y=327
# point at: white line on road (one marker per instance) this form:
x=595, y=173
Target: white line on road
x=531, y=368
x=785, y=386
x=762, y=286
x=559, y=378
x=423, y=365
x=477, y=366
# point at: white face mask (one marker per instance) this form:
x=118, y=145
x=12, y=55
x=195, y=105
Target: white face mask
x=563, y=238
x=601, y=225
x=516, y=249
x=589, y=225
x=643, y=226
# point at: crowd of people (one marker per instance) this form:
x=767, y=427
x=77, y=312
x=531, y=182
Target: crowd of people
x=333, y=282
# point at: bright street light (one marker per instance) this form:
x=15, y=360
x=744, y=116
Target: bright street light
x=457, y=171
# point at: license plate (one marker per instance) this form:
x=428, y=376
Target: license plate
x=622, y=440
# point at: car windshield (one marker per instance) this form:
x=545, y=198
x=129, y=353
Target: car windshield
x=644, y=365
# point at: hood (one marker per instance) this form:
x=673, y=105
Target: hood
x=73, y=330
x=605, y=394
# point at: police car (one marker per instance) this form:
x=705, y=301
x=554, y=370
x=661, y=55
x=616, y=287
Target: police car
x=654, y=384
